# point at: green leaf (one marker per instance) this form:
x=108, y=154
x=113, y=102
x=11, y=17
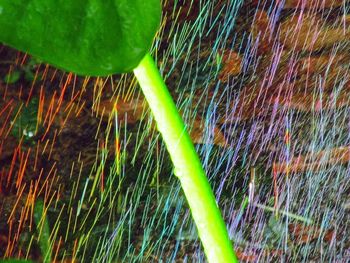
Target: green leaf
x=40, y=219
x=26, y=122
x=15, y=261
x=86, y=37
x=12, y=77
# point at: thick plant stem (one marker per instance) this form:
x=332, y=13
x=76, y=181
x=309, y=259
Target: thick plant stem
x=205, y=212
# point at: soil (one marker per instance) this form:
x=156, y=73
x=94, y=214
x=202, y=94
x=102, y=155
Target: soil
x=263, y=101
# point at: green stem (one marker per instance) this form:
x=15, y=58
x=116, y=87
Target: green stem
x=205, y=212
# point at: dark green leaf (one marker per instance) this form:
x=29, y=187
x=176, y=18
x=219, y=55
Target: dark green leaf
x=29, y=75
x=86, y=37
